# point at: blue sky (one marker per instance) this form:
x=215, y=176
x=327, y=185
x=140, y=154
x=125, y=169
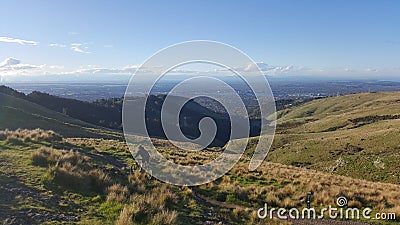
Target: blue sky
x=360, y=38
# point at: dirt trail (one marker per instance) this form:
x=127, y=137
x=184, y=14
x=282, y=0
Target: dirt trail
x=13, y=190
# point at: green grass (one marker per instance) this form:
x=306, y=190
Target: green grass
x=318, y=134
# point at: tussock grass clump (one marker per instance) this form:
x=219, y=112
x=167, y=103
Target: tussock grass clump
x=129, y=214
x=74, y=177
x=125, y=217
x=272, y=199
x=137, y=180
x=117, y=193
x=166, y=197
x=165, y=217
x=20, y=136
x=153, y=206
x=15, y=140
x=45, y=156
x=71, y=169
x=75, y=158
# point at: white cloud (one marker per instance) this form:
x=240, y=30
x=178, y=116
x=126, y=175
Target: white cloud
x=56, y=67
x=90, y=69
x=187, y=71
x=258, y=65
x=9, y=62
x=73, y=33
x=19, y=41
x=266, y=69
x=57, y=45
x=77, y=47
x=373, y=70
x=273, y=70
x=26, y=67
x=278, y=70
x=12, y=66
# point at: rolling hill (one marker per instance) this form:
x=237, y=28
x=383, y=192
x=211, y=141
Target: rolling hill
x=354, y=135
x=18, y=113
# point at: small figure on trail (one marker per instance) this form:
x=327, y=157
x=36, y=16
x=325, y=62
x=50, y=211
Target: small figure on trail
x=144, y=156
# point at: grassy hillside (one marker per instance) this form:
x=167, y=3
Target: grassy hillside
x=342, y=146
x=105, y=116
x=343, y=112
x=19, y=113
x=47, y=178
x=355, y=135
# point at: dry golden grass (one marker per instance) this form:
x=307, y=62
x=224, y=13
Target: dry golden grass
x=272, y=199
x=117, y=193
x=395, y=210
x=287, y=186
x=278, y=185
x=99, y=144
x=154, y=205
x=75, y=177
x=151, y=201
x=45, y=156
x=165, y=217
x=125, y=217
x=22, y=135
x=137, y=180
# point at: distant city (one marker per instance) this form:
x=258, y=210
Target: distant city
x=282, y=89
